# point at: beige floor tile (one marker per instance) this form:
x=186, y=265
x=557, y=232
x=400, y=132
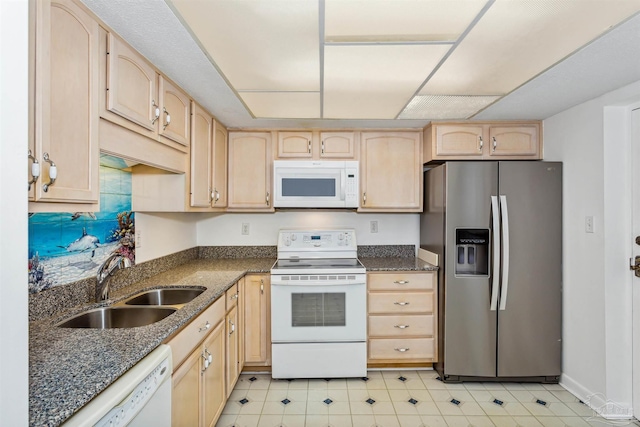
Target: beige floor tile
x=440, y=395
x=318, y=384
x=545, y=395
x=279, y=385
x=456, y=421
x=383, y=408
x=563, y=421
x=293, y=420
x=226, y=420
x=492, y=409
x=537, y=409
x=516, y=409
x=427, y=408
x=297, y=395
x=340, y=408
x=340, y=420
x=358, y=395
x=406, y=408
x=491, y=395
x=503, y=421
x=317, y=395
x=471, y=408
x=533, y=386
x=247, y=421
x=360, y=408
x=251, y=408
x=317, y=408
x=516, y=422
x=559, y=409
x=394, y=384
x=295, y=408
x=270, y=421
x=232, y=407
x=376, y=384
x=374, y=374
x=523, y=396
x=337, y=384
x=580, y=409
x=380, y=395
x=341, y=395
x=434, y=421
x=564, y=396
x=363, y=420
x=410, y=421
x=479, y=421
x=316, y=421
x=434, y=384
x=238, y=394
x=273, y=408
x=449, y=409
x=387, y=421
x=299, y=385
x=257, y=395
x=356, y=384
x=474, y=386
x=553, y=387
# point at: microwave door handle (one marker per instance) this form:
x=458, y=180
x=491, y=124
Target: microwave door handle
x=343, y=178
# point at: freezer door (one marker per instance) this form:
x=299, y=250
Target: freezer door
x=469, y=323
x=530, y=314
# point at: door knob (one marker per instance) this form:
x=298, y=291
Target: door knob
x=638, y=240
x=635, y=265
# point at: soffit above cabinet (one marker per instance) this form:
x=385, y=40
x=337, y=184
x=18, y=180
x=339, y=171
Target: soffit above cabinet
x=392, y=62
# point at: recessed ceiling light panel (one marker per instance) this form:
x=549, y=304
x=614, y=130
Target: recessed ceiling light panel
x=443, y=107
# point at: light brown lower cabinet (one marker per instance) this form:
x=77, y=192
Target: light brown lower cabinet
x=257, y=320
x=232, y=339
x=402, y=317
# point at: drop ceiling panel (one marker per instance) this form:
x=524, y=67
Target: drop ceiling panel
x=282, y=105
x=400, y=20
x=516, y=40
x=441, y=107
x=259, y=45
x=375, y=82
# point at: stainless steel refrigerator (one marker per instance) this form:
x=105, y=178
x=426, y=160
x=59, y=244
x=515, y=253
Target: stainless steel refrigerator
x=497, y=228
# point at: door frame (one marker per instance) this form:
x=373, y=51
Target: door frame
x=634, y=134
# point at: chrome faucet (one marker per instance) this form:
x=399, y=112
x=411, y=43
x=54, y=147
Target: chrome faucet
x=111, y=264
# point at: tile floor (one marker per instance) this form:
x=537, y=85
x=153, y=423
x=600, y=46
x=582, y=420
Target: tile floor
x=402, y=399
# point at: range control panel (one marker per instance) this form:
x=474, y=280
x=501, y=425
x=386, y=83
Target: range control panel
x=317, y=240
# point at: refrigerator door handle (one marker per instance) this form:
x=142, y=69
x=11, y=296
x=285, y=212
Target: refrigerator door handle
x=495, y=217
x=505, y=258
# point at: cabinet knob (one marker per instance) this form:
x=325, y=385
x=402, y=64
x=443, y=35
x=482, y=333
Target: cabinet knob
x=401, y=326
x=401, y=282
x=403, y=303
x=205, y=327
x=401, y=350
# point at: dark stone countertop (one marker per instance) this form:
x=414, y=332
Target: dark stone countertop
x=373, y=264
x=69, y=367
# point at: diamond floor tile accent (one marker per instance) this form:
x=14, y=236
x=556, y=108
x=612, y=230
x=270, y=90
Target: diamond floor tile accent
x=244, y=400
x=285, y=401
x=370, y=401
x=328, y=401
x=498, y=402
x=541, y=402
x=252, y=379
x=455, y=402
x=412, y=401
x=365, y=379
x=401, y=378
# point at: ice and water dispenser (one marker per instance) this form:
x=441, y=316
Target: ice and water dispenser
x=472, y=251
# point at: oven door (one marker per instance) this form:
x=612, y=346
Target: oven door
x=318, y=312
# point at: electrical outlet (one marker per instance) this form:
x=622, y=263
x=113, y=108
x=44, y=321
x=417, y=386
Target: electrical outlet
x=138, y=238
x=245, y=228
x=588, y=224
x=373, y=226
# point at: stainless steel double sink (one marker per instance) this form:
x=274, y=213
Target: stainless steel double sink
x=141, y=309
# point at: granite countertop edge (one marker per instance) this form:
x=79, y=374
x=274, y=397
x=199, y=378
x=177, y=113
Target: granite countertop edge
x=65, y=373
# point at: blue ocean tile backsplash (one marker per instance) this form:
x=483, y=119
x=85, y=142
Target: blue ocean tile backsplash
x=66, y=247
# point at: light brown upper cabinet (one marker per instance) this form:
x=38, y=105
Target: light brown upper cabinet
x=390, y=172
x=65, y=107
x=141, y=100
x=480, y=140
x=250, y=171
x=315, y=145
x=201, y=147
x=219, y=174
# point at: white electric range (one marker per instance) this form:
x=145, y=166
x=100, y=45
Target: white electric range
x=318, y=306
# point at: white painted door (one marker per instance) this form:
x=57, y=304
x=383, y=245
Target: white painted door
x=635, y=150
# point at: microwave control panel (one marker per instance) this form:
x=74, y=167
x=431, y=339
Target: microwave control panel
x=351, y=185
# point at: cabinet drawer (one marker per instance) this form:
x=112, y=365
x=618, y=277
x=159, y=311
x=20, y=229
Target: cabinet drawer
x=401, y=326
x=400, y=302
x=401, y=281
x=231, y=295
x=191, y=335
x=401, y=348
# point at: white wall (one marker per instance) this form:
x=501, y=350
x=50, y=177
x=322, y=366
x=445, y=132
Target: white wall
x=596, y=309
x=14, y=332
x=226, y=229
x=161, y=234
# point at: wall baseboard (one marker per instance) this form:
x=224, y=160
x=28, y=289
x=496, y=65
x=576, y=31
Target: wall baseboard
x=597, y=401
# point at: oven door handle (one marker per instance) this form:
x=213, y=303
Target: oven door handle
x=309, y=283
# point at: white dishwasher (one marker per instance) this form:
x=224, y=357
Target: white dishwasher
x=141, y=397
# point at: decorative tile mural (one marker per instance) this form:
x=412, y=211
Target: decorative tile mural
x=66, y=247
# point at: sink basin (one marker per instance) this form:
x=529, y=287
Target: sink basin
x=165, y=296
x=117, y=317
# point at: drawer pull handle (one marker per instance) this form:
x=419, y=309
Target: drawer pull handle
x=205, y=327
x=401, y=326
x=401, y=303
x=234, y=296
x=401, y=282
x=402, y=350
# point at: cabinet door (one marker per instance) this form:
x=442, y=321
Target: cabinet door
x=213, y=377
x=391, y=172
x=201, y=140
x=250, y=171
x=294, y=145
x=339, y=145
x=66, y=102
x=185, y=394
x=219, y=173
x=132, y=85
x=257, y=320
x=174, y=117
x=459, y=141
x=514, y=141
x=232, y=349
x=241, y=328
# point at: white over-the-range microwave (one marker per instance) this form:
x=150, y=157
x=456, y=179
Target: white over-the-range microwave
x=315, y=184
